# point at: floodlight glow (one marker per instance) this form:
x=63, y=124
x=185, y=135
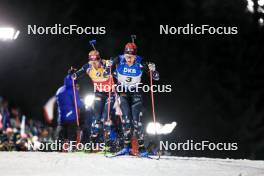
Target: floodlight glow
x=261, y=2
x=261, y=21
x=7, y=33
x=157, y=128
x=250, y=5
x=168, y=128
x=88, y=100
x=16, y=35
x=153, y=128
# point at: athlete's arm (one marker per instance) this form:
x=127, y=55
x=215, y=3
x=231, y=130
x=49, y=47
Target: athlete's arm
x=81, y=71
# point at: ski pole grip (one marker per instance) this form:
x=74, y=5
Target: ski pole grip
x=92, y=42
x=133, y=38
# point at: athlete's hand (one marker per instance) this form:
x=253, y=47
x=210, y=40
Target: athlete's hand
x=74, y=76
x=108, y=63
x=152, y=66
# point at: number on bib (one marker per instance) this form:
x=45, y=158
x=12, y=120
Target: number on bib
x=128, y=79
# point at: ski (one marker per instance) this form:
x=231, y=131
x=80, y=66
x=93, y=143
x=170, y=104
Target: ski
x=115, y=155
x=132, y=156
x=153, y=157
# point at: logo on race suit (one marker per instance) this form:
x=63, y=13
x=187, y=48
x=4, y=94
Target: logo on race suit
x=98, y=74
x=129, y=70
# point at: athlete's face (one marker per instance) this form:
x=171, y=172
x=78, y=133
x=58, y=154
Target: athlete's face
x=96, y=63
x=130, y=59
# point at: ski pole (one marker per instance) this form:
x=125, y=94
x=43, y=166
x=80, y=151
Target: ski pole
x=109, y=94
x=92, y=43
x=108, y=105
x=108, y=115
x=153, y=108
x=152, y=100
x=76, y=111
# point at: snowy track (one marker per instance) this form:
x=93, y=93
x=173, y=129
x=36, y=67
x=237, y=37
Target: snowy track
x=71, y=164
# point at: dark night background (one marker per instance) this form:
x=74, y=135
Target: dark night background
x=218, y=81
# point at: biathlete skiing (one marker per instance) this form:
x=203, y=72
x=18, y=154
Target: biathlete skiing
x=104, y=99
x=128, y=69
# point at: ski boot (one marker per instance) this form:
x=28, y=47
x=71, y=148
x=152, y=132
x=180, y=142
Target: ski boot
x=143, y=154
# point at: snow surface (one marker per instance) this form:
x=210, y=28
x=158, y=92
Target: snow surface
x=71, y=164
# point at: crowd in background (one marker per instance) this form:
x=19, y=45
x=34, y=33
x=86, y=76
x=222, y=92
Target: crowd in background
x=17, y=130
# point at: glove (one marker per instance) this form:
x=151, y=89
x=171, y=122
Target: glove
x=108, y=63
x=152, y=66
x=74, y=76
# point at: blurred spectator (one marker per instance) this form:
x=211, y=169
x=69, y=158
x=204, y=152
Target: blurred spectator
x=15, y=135
x=15, y=119
x=4, y=114
x=67, y=127
x=17, y=131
